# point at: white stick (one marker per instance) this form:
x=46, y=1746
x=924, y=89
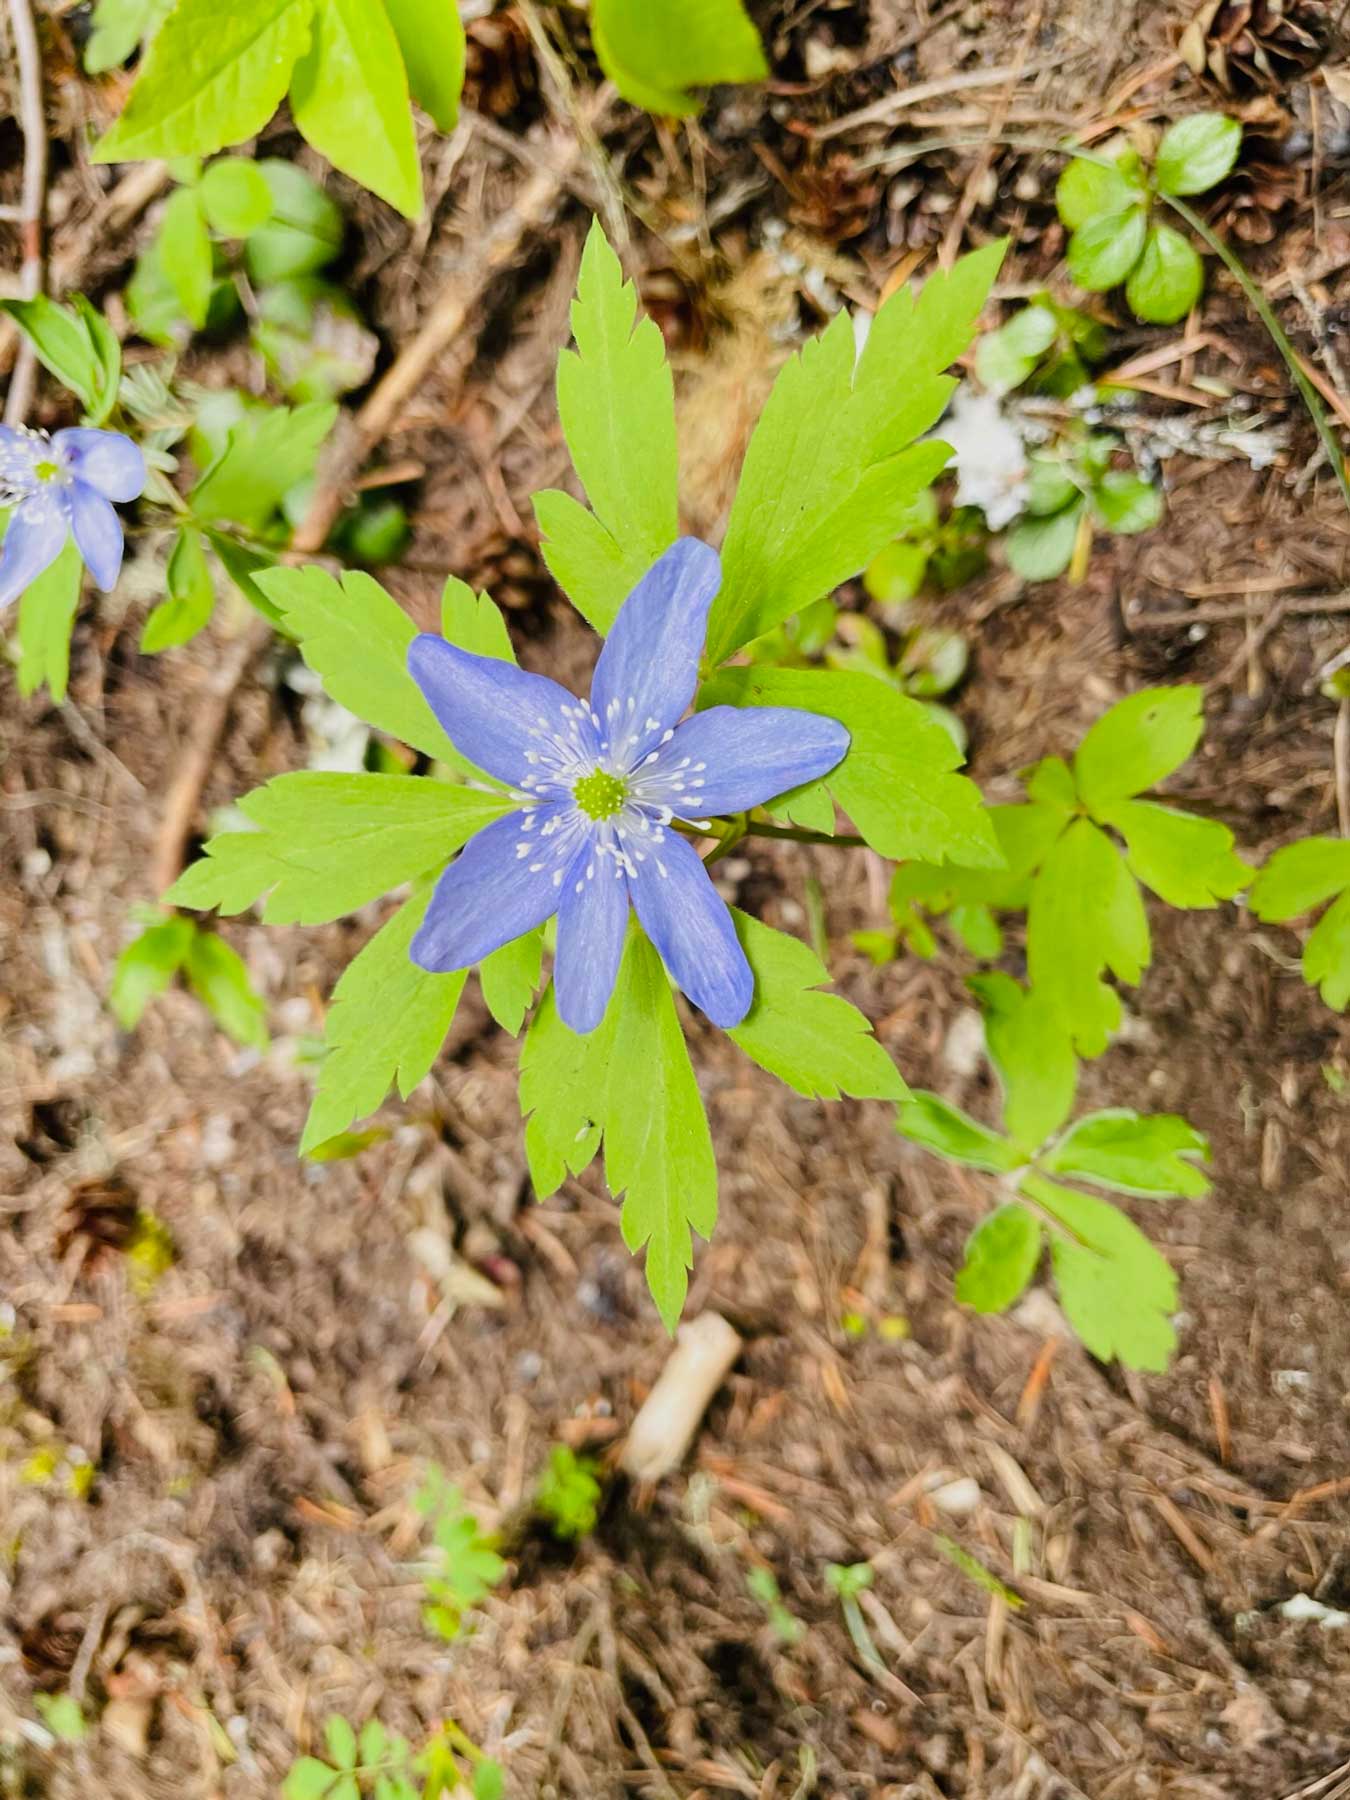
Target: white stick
x=695, y=1369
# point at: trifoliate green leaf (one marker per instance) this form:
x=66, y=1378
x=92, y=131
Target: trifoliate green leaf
x=235, y=197
x=386, y=1024
x=213, y=76
x=510, y=978
x=1032, y=1056
x=268, y=453
x=1142, y=739
x=935, y=1124
x=349, y=96
x=1196, y=152
x=46, y=620
x=1086, y=916
x=1133, y=1153
x=1185, y=860
x=1088, y=187
x=192, y=596
x=832, y=470
x=1167, y=280
x=431, y=37
x=147, y=966
x=896, y=782
x=1326, y=955
x=1104, y=250
x=817, y=1043
x=1040, y=549
x=617, y=405
x=1051, y=785
x=1115, y=1288
x=1300, y=877
x=328, y=843
x=218, y=977
x=655, y=57
x=1001, y=1257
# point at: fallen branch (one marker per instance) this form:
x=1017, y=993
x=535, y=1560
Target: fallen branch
x=33, y=200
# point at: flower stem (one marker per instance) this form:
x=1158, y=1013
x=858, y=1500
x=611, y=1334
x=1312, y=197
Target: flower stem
x=734, y=829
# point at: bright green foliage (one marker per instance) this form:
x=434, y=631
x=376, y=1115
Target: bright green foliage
x=616, y=402
x=147, y=966
x=896, y=782
x=465, y=1566
x=431, y=38
x=269, y=452
x=631, y=1081
x=763, y=1585
x=1085, y=917
x=819, y=1044
x=303, y=232
x=1001, y=1257
x=235, y=197
x=1139, y=742
x=510, y=979
x=1110, y=209
x=63, y=1716
x=185, y=254
x=1047, y=347
x=325, y=844
x=1186, y=861
x=833, y=468
x=46, y=617
x=192, y=596
x=1296, y=880
x=1032, y=1057
x=77, y=345
x=215, y=973
x=1132, y=1154
x=349, y=96
x=655, y=55
x=568, y=1493
x=937, y=1125
x=1072, y=488
x=119, y=28
x=1004, y=358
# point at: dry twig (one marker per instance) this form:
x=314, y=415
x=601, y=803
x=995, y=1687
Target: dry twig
x=33, y=202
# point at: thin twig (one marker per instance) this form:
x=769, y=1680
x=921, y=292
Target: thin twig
x=1340, y=748
x=951, y=241
x=883, y=111
x=33, y=201
x=1220, y=611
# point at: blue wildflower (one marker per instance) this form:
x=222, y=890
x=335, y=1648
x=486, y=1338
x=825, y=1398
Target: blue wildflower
x=59, y=485
x=601, y=785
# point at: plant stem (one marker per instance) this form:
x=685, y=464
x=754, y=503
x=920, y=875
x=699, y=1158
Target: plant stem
x=733, y=829
x=1265, y=312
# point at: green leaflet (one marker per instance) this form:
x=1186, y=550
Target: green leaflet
x=935, y=1124
x=218, y=977
x=146, y=967
x=212, y=76
x=819, y=1044
x=235, y=196
x=46, y=620
x=1001, y=1257
x=326, y=844
x=510, y=978
x=192, y=596
x=1085, y=917
x=431, y=38
x=617, y=405
x=119, y=27
x=1326, y=955
x=896, y=782
x=1196, y=152
x=631, y=1080
x=473, y=622
x=268, y=452
x=185, y=254
x=1115, y=1288
x=1142, y=739
x=1187, y=861
x=1133, y=1153
x=1032, y=1056
x=349, y=96
x=386, y=1023
x=1300, y=877
x=77, y=345
x=828, y=479
x=655, y=55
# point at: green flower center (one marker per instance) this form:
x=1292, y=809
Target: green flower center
x=600, y=795
x=46, y=471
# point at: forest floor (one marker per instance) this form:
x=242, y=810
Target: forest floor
x=256, y=1421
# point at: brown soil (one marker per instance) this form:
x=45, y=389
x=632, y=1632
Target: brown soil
x=241, y=1568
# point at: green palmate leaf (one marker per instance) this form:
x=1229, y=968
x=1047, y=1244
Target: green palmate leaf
x=1032, y=1056
x=356, y=639
x=213, y=76
x=1326, y=955
x=510, y=979
x=64, y=345
x=192, y=596
x=817, y=1043
x=1085, y=916
x=349, y=95
x=219, y=979
x=268, y=453
x=119, y=28
x=431, y=37
x=832, y=470
x=1142, y=739
x=616, y=402
x=235, y=197
x=304, y=229
x=1039, y=549
x=1001, y=1257
x=1115, y=1288
x=1300, y=877
x=1196, y=152
x=1125, y=502
x=185, y=254
x=46, y=620
x=147, y=966
x=1167, y=280
x=1186, y=861
x=929, y=1120
x=385, y=1025
x=1087, y=189
x=654, y=57
x=1104, y=250
x=328, y=843
x=1133, y=1153
x=896, y=782
x=563, y=1081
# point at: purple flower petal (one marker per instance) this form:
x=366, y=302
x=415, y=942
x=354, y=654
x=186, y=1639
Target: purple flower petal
x=501, y=885
x=105, y=459
x=98, y=532
x=741, y=756
x=685, y=917
x=648, y=668
x=38, y=529
x=493, y=712
x=592, y=921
